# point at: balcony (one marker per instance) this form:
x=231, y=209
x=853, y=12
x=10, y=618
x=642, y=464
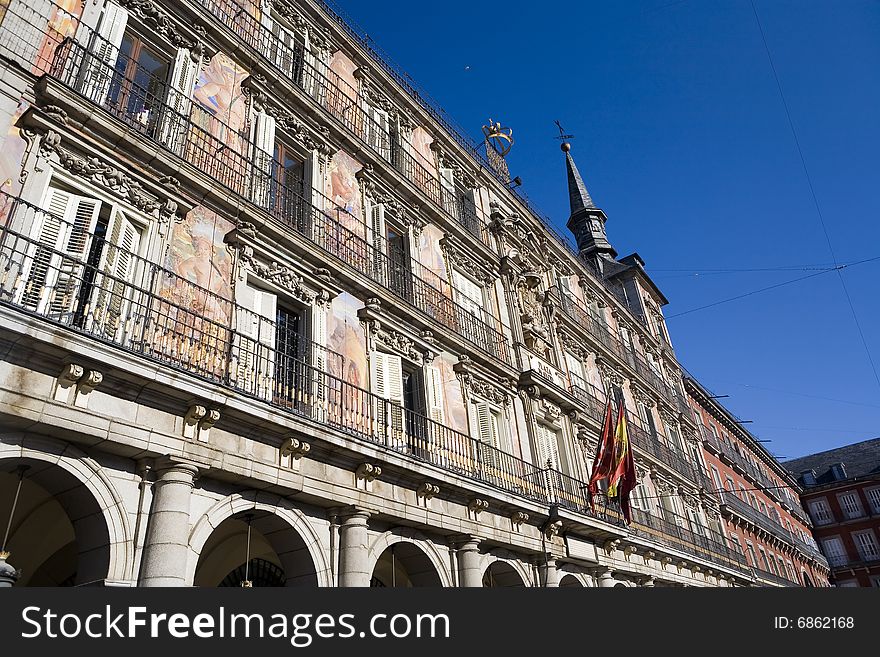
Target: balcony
x=766, y=576
x=676, y=535
x=650, y=444
x=345, y=104
x=218, y=151
x=135, y=313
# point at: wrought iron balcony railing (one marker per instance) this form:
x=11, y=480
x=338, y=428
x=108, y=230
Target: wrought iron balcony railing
x=112, y=295
x=650, y=444
x=347, y=105
x=225, y=154
x=677, y=535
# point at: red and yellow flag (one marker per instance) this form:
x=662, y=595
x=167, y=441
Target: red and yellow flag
x=604, y=460
x=623, y=478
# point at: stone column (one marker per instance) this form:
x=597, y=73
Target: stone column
x=548, y=571
x=166, y=547
x=606, y=579
x=469, y=574
x=353, y=548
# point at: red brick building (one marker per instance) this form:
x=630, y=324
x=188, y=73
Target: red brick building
x=841, y=491
x=758, y=498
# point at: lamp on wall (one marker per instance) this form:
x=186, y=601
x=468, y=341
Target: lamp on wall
x=516, y=182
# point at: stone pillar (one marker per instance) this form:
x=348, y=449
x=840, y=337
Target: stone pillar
x=166, y=547
x=606, y=579
x=548, y=572
x=469, y=574
x=353, y=548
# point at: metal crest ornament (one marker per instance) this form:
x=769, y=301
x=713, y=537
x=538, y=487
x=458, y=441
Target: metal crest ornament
x=498, y=138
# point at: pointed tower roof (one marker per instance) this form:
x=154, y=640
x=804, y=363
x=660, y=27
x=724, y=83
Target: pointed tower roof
x=587, y=222
x=578, y=196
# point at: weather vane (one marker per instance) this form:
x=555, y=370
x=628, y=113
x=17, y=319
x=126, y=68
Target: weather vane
x=563, y=137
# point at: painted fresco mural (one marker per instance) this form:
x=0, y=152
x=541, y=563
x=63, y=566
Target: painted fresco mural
x=11, y=153
x=62, y=23
x=222, y=112
x=345, y=336
x=454, y=410
x=421, y=142
x=197, y=254
x=431, y=256
x=341, y=95
x=343, y=193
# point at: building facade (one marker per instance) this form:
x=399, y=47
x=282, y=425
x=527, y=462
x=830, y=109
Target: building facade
x=268, y=318
x=759, y=499
x=841, y=492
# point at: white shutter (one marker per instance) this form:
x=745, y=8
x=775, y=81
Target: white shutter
x=487, y=433
x=377, y=132
x=469, y=294
x=98, y=68
x=112, y=294
x=320, y=380
x=55, y=275
x=576, y=370
x=434, y=390
x=377, y=236
x=255, y=341
x=548, y=447
x=264, y=150
x=386, y=382
x=176, y=112
x=447, y=187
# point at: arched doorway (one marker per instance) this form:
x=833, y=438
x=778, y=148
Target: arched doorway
x=58, y=535
x=258, y=547
x=807, y=580
x=500, y=573
x=403, y=565
x=570, y=581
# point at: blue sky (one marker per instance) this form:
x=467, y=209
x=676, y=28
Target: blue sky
x=682, y=139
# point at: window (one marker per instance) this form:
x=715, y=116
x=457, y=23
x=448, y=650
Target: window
x=875, y=581
x=716, y=478
x=286, y=50
x=731, y=486
x=834, y=551
x=750, y=550
x=866, y=544
x=576, y=371
x=391, y=253
x=873, y=495
x=764, y=562
x=850, y=504
x=734, y=541
x=287, y=199
x=487, y=424
x=79, y=270
x=138, y=88
x=547, y=453
x=468, y=293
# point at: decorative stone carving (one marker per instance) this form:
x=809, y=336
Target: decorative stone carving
x=467, y=263
x=398, y=342
x=609, y=374
x=428, y=490
x=481, y=387
x=518, y=518
x=198, y=422
x=55, y=113
x=478, y=505
x=642, y=395
x=159, y=22
x=279, y=274
x=368, y=471
x=294, y=447
x=95, y=170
